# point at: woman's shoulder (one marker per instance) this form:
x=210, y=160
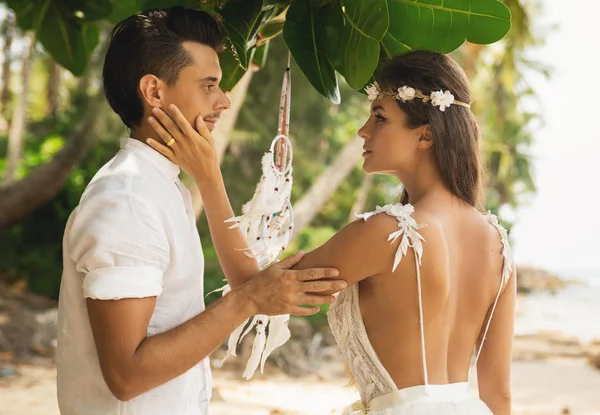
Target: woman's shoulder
x=406, y=227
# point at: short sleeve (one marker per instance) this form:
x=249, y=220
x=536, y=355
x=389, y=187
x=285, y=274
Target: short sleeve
x=120, y=247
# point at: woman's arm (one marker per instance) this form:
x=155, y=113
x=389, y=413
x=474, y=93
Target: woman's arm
x=360, y=250
x=493, y=367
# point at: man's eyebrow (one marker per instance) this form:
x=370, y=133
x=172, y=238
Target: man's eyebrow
x=209, y=79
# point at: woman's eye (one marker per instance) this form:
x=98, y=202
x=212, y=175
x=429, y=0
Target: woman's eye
x=379, y=118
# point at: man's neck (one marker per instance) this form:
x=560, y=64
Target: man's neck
x=143, y=132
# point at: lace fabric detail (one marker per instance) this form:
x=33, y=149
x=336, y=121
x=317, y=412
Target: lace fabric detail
x=351, y=337
x=507, y=268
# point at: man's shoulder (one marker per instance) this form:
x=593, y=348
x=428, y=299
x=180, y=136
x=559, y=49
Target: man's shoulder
x=121, y=177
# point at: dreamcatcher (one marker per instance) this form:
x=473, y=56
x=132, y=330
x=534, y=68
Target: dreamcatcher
x=267, y=220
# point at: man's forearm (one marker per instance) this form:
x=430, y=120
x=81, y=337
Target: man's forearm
x=163, y=357
x=230, y=244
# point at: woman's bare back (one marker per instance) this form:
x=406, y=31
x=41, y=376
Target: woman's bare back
x=460, y=273
x=463, y=265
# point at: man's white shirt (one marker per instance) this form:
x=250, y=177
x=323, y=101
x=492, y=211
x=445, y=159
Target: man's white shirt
x=133, y=235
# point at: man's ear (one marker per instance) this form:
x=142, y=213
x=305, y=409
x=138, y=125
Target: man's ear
x=152, y=90
x=426, y=139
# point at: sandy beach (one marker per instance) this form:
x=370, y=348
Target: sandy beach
x=551, y=373
x=539, y=388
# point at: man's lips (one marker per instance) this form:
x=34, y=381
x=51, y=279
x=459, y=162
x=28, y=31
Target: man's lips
x=211, y=123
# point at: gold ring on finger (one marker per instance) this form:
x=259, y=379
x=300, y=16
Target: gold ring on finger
x=170, y=143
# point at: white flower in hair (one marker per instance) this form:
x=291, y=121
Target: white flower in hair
x=373, y=91
x=442, y=99
x=405, y=93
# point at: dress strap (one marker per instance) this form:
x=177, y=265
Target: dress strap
x=507, y=269
x=411, y=238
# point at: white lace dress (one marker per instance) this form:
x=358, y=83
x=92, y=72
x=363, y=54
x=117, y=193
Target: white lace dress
x=379, y=394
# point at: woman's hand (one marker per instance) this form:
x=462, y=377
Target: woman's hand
x=193, y=150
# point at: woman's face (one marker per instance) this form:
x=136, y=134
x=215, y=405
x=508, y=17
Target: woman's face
x=390, y=145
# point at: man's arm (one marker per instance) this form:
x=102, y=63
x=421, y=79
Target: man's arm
x=133, y=363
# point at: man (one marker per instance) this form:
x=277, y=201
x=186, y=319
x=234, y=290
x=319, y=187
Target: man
x=134, y=335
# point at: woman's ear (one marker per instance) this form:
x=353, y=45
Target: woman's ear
x=152, y=90
x=426, y=139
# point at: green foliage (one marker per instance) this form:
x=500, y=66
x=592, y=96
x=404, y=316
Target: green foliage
x=32, y=249
x=63, y=27
x=304, y=34
x=324, y=36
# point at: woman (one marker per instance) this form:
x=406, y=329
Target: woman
x=425, y=276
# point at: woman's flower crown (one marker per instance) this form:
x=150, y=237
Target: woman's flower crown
x=442, y=99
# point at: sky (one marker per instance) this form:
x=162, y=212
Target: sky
x=560, y=228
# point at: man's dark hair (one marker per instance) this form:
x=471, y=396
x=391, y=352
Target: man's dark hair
x=151, y=43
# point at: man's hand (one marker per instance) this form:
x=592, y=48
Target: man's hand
x=279, y=290
x=191, y=149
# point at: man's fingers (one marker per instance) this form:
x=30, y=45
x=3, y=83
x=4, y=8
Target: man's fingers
x=164, y=150
x=168, y=123
x=160, y=130
x=316, y=299
x=304, y=311
x=313, y=274
x=321, y=286
x=176, y=115
x=203, y=129
x=290, y=261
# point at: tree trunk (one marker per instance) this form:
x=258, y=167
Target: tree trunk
x=16, y=133
x=24, y=196
x=361, y=197
x=52, y=89
x=8, y=31
x=313, y=201
x=222, y=133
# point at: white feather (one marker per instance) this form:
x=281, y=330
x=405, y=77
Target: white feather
x=257, y=349
x=279, y=333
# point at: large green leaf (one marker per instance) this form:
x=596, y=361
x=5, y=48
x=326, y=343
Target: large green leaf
x=352, y=37
x=67, y=38
x=368, y=17
x=303, y=33
x=393, y=46
x=240, y=18
x=333, y=21
x=443, y=25
x=232, y=70
x=29, y=14
x=91, y=37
